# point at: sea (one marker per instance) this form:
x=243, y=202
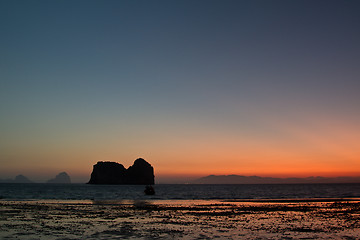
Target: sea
x=40, y=191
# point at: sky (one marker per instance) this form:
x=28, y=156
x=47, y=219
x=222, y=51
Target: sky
x=256, y=87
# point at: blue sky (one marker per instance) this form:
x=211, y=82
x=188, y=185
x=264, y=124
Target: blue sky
x=174, y=81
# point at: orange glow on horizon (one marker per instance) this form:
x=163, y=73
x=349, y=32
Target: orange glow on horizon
x=318, y=148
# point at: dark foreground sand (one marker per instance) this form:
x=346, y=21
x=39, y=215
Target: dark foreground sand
x=179, y=220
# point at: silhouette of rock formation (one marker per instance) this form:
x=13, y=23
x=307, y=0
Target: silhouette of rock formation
x=18, y=179
x=237, y=179
x=60, y=178
x=140, y=173
x=21, y=179
x=108, y=173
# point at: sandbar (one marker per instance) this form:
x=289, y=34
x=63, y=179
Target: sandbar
x=180, y=219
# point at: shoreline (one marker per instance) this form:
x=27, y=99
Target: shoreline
x=180, y=201
x=180, y=219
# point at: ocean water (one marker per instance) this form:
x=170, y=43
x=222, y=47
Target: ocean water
x=12, y=191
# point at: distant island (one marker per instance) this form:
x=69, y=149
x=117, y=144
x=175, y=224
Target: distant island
x=60, y=178
x=18, y=179
x=238, y=179
x=140, y=173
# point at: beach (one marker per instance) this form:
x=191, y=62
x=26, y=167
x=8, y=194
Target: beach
x=180, y=219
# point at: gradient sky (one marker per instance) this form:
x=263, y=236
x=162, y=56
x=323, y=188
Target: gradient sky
x=267, y=88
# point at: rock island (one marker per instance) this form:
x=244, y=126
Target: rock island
x=140, y=173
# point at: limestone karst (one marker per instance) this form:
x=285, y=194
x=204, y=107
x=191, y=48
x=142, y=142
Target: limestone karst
x=140, y=173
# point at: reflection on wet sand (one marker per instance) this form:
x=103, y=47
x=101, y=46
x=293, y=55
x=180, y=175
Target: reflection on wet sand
x=179, y=219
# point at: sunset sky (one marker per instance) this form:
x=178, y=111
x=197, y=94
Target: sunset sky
x=267, y=88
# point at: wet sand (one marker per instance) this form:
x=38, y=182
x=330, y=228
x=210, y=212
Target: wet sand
x=291, y=219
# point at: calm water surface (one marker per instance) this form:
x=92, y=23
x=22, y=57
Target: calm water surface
x=177, y=191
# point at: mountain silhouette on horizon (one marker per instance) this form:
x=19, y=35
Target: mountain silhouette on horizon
x=239, y=179
x=62, y=177
x=18, y=179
